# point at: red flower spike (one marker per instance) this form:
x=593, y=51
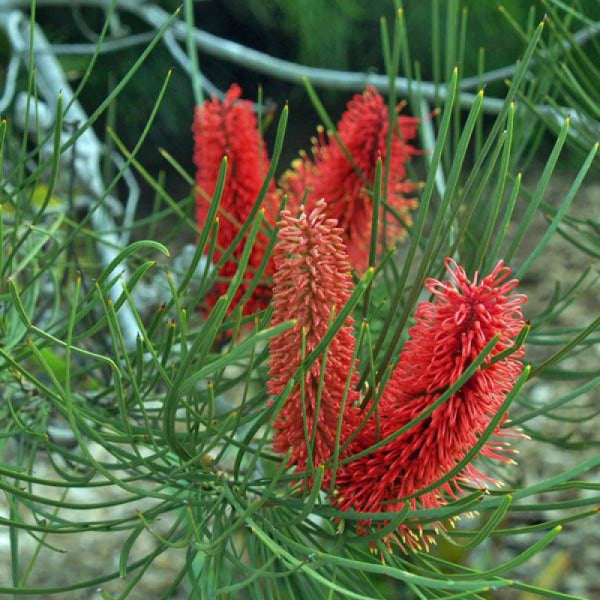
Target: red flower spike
x=363, y=130
x=449, y=334
x=229, y=128
x=312, y=279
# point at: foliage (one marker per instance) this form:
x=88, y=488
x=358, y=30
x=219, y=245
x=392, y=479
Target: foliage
x=171, y=427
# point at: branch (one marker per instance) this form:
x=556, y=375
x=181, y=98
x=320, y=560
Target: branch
x=289, y=71
x=113, y=45
x=11, y=83
x=581, y=37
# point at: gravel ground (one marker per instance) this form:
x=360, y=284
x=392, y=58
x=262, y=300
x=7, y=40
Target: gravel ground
x=86, y=556
x=572, y=561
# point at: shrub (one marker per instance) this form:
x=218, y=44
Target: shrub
x=225, y=444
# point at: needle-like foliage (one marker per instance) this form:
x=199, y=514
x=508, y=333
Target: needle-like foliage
x=280, y=447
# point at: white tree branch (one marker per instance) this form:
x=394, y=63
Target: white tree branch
x=10, y=85
x=289, y=71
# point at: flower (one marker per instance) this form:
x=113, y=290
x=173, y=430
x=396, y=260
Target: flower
x=312, y=283
x=347, y=185
x=229, y=128
x=449, y=334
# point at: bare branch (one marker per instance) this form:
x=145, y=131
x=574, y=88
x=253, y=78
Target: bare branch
x=289, y=71
x=581, y=37
x=107, y=45
x=11, y=82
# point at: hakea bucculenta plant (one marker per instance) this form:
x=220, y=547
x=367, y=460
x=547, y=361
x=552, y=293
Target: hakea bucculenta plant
x=230, y=128
x=449, y=334
x=312, y=283
x=346, y=184
x=318, y=243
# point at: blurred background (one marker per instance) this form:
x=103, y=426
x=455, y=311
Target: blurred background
x=337, y=34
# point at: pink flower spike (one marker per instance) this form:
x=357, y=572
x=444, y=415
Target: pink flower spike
x=230, y=128
x=449, y=334
x=312, y=279
x=347, y=184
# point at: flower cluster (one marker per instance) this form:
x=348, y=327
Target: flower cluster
x=391, y=453
x=230, y=128
x=344, y=173
x=449, y=334
x=312, y=284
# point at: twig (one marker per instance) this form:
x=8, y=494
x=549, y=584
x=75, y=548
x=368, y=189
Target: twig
x=107, y=45
x=284, y=69
x=579, y=38
x=186, y=64
x=429, y=141
x=132, y=198
x=11, y=82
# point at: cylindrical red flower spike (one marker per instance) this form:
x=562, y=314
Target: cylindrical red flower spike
x=230, y=128
x=449, y=334
x=312, y=279
x=347, y=185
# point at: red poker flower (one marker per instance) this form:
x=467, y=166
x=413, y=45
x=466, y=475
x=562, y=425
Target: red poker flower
x=312, y=279
x=230, y=128
x=363, y=130
x=449, y=334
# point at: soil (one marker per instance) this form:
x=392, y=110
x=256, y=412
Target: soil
x=571, y=562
